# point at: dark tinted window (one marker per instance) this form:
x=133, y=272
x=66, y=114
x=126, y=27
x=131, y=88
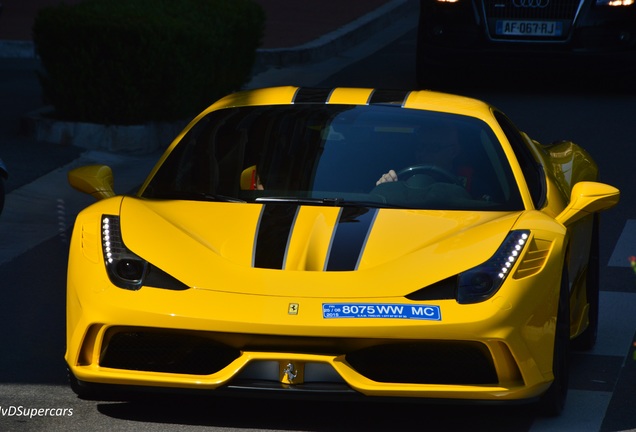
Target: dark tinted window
x=336, y=154
x=532, y=169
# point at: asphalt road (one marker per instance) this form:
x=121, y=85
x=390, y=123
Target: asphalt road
x=601, y=391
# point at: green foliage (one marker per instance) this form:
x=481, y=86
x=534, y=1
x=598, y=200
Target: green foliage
x=134, y=61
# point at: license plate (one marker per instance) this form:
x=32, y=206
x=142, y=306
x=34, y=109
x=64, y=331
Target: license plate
x=381, y=310
x=529, y=28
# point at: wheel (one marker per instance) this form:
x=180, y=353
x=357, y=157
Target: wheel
x=553, y=400
x=82, y=390
x=77, y=386
x=432, y=170
x=100, y=392
x=587, y=339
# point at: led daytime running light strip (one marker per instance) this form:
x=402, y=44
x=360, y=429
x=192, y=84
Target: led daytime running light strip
x=517, y=242
x=112, y=244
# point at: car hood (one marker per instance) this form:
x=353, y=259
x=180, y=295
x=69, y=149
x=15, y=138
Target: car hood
x=280, y=249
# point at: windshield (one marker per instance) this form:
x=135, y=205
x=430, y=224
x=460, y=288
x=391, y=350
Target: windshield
x=378, y=155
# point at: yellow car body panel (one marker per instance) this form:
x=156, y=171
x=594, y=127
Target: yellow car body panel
x=301, y=321
x=496, y=323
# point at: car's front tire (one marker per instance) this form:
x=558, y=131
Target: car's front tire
x=79, y=388
x=587, y=339
x=553, y=401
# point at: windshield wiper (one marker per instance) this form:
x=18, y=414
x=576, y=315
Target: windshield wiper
x=196, y=196
x=297, y=200
x=221, y=198
x=329, y=201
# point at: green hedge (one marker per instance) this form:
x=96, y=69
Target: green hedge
x=133, y=61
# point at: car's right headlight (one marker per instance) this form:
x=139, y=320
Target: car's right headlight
x=126, y=269
x=482, y=282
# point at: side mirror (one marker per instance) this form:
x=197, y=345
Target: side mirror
x=248, y=178
x=587, y=198
x=95, y=180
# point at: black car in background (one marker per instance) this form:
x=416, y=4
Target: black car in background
x=578, y=33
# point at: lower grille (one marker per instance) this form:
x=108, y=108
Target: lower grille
x=166, y=352
x=532, y=9
x=416, y=362
x=438, y=362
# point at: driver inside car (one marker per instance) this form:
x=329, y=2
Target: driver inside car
x=436, y=153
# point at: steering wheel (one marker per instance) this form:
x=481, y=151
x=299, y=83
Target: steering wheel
x=432, y=170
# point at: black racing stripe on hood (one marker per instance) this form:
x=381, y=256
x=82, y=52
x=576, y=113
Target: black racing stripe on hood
x=390, y=97
x=273, y=233
x=312, y=95
x=349, y=238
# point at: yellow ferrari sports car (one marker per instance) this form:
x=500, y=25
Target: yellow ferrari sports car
x=341, y=242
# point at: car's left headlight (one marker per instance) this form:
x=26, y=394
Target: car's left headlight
x=482, y=282
x=126, y=269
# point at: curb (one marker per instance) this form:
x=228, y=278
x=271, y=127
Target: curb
x=339, y=40
x=133, y=139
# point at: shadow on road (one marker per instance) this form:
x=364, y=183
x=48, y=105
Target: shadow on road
x=278, y=414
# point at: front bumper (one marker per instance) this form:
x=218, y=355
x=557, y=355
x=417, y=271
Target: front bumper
x=204, y=340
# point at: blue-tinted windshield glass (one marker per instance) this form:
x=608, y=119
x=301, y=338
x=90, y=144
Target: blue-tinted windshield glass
x=340, y=154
